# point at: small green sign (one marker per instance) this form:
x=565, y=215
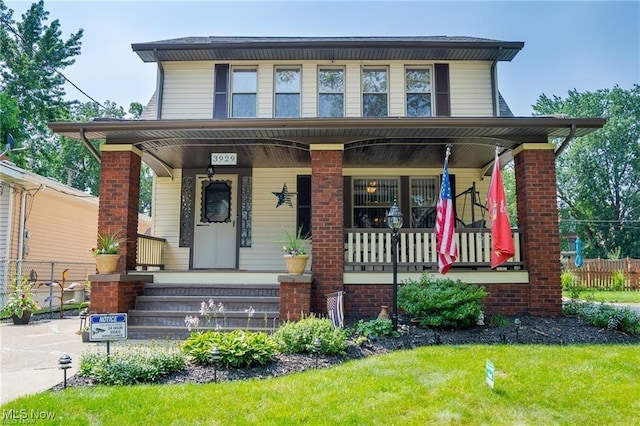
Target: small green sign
x=490, y=373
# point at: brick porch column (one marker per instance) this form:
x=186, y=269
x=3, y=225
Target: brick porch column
x=538, y=217
x=327, y=223
x=118, y=211
x=119, y=198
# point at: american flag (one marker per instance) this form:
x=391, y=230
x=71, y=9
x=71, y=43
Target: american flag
x=445, y=223
x=334, y=308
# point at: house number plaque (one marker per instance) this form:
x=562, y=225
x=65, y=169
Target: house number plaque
x=228, y=159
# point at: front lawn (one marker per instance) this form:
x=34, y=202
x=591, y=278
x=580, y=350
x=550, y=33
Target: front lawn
x=607, y=296
x=595, y=384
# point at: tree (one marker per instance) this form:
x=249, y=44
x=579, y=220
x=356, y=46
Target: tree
x=31, y=55
x=599, y=174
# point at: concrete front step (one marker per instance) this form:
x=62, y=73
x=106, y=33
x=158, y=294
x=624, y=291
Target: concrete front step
x=161, y=310
x=211, y=291
x=193, y=303
x=137, y=332
x=177, y=319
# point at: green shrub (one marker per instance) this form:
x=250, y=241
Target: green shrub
x=131, y=364
x=619, y=281
x=570, y=284
x=498, y=320
x=441, y=302
x=298, y=337
x=605, y=316
x=238, y=348
x=372, y=329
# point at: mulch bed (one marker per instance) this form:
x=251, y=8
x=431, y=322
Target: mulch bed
x=531, y=330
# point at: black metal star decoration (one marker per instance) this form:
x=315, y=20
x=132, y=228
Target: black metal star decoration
x=284, y=196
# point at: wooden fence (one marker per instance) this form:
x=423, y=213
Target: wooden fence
x=606, y=273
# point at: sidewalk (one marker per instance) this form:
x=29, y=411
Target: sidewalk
x=29, y=355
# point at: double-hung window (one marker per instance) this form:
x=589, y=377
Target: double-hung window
x=331, y=92
x=287, y=92
x=372, y=198
x=418, y=90
x=244, y=92
x=375, y=92
x=424, y=197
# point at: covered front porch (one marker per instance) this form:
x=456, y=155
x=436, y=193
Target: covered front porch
x=333, y=153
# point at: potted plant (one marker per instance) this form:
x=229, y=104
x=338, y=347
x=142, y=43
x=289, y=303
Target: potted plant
x=84, y=333
x=107, y=251
x=295, y=248
x=20, y=303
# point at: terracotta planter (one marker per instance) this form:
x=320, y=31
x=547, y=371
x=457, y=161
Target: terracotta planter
x=107, y=263
x=296, y=264
x=26, y=317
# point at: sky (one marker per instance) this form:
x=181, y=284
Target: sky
x=582, y=45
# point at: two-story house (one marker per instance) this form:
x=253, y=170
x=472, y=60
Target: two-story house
x=324, y=133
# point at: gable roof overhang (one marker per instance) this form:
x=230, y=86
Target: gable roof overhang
x=327, y=48
x=367, y=142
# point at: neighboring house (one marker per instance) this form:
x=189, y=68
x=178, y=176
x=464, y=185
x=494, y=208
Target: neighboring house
x=46, y=227
x=324, y=133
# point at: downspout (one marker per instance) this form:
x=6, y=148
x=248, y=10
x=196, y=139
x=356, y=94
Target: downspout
x=90, y=147
x=494, y=85
x=565, y=142
x=7, y=244
x=23, y=208
x=159, y=86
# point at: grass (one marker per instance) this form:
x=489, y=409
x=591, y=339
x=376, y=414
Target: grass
x=607, y=296
x=431, y=385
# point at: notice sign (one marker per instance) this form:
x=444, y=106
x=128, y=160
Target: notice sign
x=107, y=327
x=490, y=373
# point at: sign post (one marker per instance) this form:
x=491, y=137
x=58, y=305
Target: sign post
x=107, y=327
x=490, y=373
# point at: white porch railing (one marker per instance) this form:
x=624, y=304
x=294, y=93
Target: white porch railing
x=370, y=249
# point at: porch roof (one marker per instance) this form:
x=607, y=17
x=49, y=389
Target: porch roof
x=368, y=142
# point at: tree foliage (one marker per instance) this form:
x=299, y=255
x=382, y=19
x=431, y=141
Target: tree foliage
x=32, y=57
x=599, y=174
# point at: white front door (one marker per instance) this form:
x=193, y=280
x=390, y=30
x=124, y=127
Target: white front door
x=214, y=242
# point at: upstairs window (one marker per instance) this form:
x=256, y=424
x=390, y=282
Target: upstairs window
x=374, y=92
x=244, y=92
x=287, y=92
x=418, y=90
x=331, y=92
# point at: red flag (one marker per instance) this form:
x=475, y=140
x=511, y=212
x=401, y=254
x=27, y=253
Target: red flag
x=502, y=247
x=445, y=224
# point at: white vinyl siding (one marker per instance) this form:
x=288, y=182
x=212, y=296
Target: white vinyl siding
x=188, y=90
x=470, y=88
x=265, y=90
x=188, y=87
x=396, y=85
x=309, y=91
x=166, y=220
x=268, y=221
x=353, y=91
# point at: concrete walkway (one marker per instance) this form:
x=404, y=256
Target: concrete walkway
x=29, y=355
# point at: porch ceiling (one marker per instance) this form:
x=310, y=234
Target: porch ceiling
x=382, y=142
